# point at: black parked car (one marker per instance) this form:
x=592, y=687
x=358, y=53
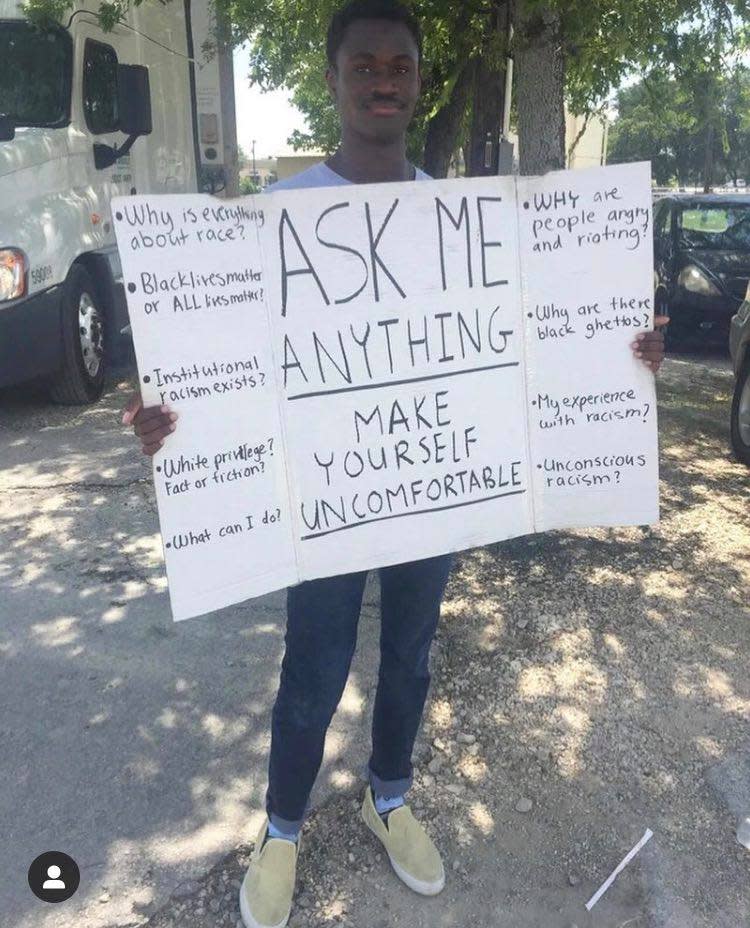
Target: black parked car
x=702, y=261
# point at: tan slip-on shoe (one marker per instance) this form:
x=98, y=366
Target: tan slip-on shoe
x=743, y=832
x=267, y=890
x=410, y=850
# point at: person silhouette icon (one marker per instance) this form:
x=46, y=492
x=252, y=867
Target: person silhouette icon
x=53, y=872
x=46, y=880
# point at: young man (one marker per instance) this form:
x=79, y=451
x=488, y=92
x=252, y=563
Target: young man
x=374, y=52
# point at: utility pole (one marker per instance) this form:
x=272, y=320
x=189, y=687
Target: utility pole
x=505, y=157
x=224, y=52
x=489, y=151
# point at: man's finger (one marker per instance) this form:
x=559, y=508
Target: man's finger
x=153, y=412
x=131, y=409
x=660, y=321
x=648, y=345
x=161, y=427
x=152, y=448
x=651, y=338
x=145, y=423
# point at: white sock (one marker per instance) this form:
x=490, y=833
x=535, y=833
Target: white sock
x=274, y=832
x=383, y=805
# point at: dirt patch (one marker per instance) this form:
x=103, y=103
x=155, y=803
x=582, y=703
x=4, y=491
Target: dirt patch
x=597, y=679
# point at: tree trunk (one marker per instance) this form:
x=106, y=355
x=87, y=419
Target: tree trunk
x=443, y=129
x=681, y=147
x=708, y=160
x=540, y=89
x=486, y=121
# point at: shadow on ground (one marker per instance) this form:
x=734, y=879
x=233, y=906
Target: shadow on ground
x=134, y=744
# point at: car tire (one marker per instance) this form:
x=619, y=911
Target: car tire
x=740, y=415
x=81, y=377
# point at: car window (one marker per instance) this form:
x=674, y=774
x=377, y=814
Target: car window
x=44, y=57
x=716, y=227
x=705, y=220
x=100, y=87
x=737, y=233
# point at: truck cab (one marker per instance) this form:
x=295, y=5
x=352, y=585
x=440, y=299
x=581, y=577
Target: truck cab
x=70, y=141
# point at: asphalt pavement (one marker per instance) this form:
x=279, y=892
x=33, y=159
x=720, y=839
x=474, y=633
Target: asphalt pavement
x=134, y=744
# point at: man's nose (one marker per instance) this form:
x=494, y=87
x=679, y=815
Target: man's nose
x=384, y=83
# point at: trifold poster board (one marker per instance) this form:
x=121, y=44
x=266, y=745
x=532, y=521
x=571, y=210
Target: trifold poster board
x=372, y=374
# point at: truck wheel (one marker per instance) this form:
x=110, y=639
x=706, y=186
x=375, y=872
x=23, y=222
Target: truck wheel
x=81, y=378
x=740, y=415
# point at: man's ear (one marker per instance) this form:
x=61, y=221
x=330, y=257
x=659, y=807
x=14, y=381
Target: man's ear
x=331, y=80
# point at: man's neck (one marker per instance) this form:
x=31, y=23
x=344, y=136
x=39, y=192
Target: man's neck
x=371, y=164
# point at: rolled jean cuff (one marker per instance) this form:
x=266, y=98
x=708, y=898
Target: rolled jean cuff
x=388, y=789
x=284, y=824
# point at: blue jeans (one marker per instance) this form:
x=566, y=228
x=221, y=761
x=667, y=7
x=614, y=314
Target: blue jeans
x=321, y=634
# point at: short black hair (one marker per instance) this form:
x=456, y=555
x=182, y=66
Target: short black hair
x=355, y=10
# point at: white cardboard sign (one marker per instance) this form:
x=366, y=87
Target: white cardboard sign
x=368, y=375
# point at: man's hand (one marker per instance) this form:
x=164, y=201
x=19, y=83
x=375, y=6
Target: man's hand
x=649, y=346
x=151, y=425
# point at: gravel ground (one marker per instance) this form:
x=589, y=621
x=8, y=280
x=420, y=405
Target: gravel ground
x=586, y=685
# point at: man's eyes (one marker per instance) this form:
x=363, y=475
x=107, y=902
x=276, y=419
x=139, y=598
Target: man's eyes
x=366, y=69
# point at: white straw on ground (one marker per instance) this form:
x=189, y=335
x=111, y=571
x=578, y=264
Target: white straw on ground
x=648, y=835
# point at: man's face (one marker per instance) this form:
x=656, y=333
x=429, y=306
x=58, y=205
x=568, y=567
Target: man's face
x=376, y=80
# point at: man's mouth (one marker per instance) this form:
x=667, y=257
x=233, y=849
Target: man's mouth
x=384, y=108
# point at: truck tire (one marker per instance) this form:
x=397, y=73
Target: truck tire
x=740, y=415
x=81, y=378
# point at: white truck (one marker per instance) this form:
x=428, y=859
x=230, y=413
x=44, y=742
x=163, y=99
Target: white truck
x=86, y=115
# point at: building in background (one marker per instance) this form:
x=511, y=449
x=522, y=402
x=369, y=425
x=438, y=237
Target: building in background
x=264, y=174
x=288, y=165
x=591, y=148
x=585, y=141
